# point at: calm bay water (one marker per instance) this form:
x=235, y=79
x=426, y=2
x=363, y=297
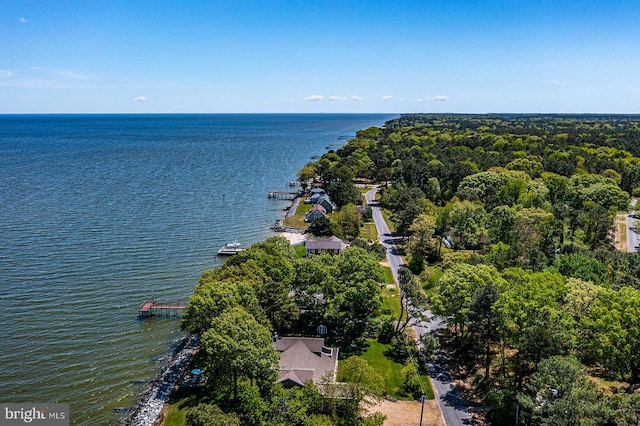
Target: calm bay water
x=99, y=212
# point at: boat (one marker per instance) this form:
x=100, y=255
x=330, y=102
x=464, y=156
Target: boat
x=230, y=249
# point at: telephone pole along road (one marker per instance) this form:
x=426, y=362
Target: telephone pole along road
x=452, y=406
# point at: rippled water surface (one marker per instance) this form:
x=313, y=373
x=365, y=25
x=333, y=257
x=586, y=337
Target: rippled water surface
x=98, y=213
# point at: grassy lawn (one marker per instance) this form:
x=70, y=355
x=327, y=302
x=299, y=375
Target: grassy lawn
x=369, y=232
x=303, y=208
x=388, y=275
x=391, y=301
x=390, y=370
x=175, y=416
x=300, y=250
x=364, y=189
x=297, y=220
x=386, y=215
x=390, y=296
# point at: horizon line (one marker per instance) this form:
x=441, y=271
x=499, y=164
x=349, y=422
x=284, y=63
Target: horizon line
x=327, y=113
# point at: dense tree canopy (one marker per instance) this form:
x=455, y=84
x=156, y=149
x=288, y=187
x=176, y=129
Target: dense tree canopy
x=530, y=277
x=236, y=307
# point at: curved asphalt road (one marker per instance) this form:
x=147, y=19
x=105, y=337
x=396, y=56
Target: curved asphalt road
x=453, y=408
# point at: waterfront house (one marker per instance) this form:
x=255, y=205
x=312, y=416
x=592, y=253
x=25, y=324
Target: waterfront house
x=316, y=212
x=304, y=359
x=314, y=195
x=333, y=245
x=325, y=202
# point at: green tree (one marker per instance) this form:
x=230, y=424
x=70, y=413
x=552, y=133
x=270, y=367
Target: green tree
x=343, y=193
x=612, y=325
x=502, y=221
x=359, y=385
x=537, y=235
x=207, y=415
x=484, y=186
x=413, y=300
x=468, y=224
x=535, y=325
x=236, y=346
x=347, y=222
x=581, y=266
x=456, y=289
x=307, y=172
x=485, y=320
x=561, y=393
x=320, y=227
x=274, y=257
x=532, y=167
x=253, y=409
x=314, y=286
x=212, y=298
x=423, y=244
x=296, y=405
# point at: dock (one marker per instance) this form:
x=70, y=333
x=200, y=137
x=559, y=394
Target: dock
x=151, y=308
x=280, y=195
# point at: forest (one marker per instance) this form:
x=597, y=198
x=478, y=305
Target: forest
x=509, y=223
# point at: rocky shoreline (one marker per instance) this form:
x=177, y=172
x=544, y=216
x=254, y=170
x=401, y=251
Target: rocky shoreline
x=148, y=408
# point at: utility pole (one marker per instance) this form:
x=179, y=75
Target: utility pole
x=422, y=409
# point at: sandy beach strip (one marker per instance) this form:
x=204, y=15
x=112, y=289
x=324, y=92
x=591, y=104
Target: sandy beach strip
x=293, y=238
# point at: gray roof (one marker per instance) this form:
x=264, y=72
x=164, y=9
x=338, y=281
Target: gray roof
x=331, y=243
x=319, y=208
x=305, y=358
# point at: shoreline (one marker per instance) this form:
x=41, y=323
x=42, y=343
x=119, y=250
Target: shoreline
x=147, y=410
x=293, y=235
x=149, y=406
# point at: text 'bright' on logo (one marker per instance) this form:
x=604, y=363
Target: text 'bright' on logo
x=36, y=414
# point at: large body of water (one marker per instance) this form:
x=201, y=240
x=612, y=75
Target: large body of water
x=100, y=212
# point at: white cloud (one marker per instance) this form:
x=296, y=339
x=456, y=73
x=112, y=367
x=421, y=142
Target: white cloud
x=332, y=98
x=140, y=99
x=23, y=20
x=386, y=98
x=6, y=74
x=314, y=98
x=440, y=98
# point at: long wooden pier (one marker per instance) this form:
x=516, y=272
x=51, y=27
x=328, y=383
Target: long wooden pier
x=151, y=308
x=283, y=195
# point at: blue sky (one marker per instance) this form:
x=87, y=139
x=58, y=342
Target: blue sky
x=86, y=56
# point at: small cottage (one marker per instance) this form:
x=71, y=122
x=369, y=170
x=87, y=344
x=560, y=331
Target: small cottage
x=333, y=245
x=316, y=212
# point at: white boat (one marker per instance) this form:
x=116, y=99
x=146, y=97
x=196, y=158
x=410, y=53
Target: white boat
x=230, y=248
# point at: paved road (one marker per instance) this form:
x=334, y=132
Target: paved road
x=454, y=409
x=632, y=236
